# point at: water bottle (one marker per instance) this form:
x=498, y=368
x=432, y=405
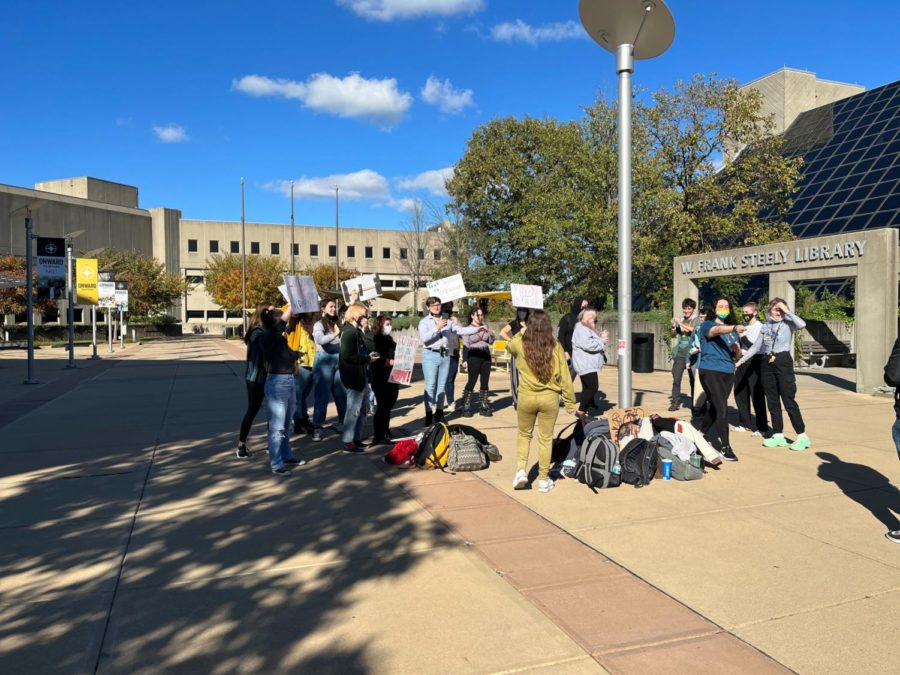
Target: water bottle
x=617, y=468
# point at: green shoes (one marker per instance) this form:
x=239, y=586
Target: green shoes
x=776, y=441
x=802, y=443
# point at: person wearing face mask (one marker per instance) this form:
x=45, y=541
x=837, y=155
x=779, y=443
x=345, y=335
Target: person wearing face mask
x=509, y=331
x=567, y=326
x=326, y=372
x=777, y=374
x=386, y=393
x=436, y=330
x=355, y=359
x=747, y=383
x=719, y=335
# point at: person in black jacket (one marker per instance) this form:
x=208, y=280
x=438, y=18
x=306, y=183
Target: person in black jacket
x=567, y=326
x=386, y=393
x=355, y=358
x=281, y=398
x=255, y=376
x=892, y=379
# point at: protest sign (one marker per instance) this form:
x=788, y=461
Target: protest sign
x=448, y=289
x=361, y=289
x=301, y=294
x=404, y=360
x=524, y=295
x=51, y=268
x=86, y=281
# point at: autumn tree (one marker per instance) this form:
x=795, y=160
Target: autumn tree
x=323, y=275
x=224, y=274
x=151, y=288
x=13, y=299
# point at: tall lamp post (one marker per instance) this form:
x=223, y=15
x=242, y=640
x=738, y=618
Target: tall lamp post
x=630, y=29
x=29, y=208
x=70, y=296
x=337, y=237
x=293, y=268
x=243, y=262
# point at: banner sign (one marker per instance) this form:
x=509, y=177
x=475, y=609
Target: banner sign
x=106, y=289
x=121, y=295
x=86, y=281
x=448, y=289
x=404, y=360
x=51, y=268
x=361, y=289
x=301, y=294
x=523, y=295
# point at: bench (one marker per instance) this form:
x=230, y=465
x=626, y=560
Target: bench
x=819, y=354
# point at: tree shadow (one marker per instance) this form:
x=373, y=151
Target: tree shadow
x=865, y=486
x=829, y=378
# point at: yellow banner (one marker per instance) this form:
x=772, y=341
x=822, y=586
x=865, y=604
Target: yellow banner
x=86, y=281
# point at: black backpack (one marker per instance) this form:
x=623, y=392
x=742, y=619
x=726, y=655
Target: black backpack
x=638, y=460
x=597, y=456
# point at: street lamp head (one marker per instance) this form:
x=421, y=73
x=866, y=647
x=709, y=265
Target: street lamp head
x=646, y=24
x=73, y=235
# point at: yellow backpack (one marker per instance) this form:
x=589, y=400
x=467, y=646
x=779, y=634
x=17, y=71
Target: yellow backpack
x=434, y=448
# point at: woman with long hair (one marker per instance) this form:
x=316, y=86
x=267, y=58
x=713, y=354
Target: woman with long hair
x=588, y=357
x=254, y=376
x=543, y=378
x=386, y=393
x=478, y=361
x=326, y=372
x=280, y=395
x=719, y=338
x=355, y=359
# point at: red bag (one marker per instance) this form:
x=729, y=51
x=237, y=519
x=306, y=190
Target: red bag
x=402, y=453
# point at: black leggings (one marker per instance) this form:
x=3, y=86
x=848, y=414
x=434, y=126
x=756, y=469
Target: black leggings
x=255, y=395
x=590, y=383
x=779, y=382
x=386, y=394
x=479, y=362
x=717, y=386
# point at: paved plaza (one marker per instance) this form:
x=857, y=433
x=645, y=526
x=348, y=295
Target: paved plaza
x=133, y=541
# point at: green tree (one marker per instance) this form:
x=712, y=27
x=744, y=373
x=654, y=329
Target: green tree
x=223, y=280
x=151, y=289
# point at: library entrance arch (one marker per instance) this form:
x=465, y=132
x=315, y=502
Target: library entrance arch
x=869, y=256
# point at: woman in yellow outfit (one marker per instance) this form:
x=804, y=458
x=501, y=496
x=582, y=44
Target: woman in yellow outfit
x=301, y=340
x=543, y=378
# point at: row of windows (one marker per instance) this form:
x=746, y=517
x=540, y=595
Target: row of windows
x=275, y=249
x=198, y=279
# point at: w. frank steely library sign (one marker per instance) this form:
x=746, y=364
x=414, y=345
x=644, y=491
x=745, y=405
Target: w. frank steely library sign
x=869, y=256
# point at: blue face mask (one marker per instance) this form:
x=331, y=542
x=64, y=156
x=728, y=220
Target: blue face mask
x=722, y=315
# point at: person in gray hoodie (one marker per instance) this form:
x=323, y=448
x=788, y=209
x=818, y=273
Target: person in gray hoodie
x=588, y=357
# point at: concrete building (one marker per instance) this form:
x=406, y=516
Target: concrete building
x=110, y=216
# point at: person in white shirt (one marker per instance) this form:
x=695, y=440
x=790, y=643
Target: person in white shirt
x=747, y=380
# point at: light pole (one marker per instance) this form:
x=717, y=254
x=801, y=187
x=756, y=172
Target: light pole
x=243, y=262
x=293, y=269
x=337, y=237
x=29, y=281
x=70, y=297
x=630, y=29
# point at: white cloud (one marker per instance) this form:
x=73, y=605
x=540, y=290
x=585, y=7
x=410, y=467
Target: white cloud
x=389, y=10
x=442, y=94
x=434, y=181
x=356, y=186
x=171, y=133
x=519, y=31
x=379, y=101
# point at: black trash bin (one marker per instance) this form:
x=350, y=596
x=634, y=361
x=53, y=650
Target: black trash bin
x=642, y=352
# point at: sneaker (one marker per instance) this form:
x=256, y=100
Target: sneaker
x=338, y=427
x=317, y=434
x=757, y=433
x=775, y=441
x=801, y=444
x=893, y=536
x=729, y=455
x=242, y=452
x=360, y=444
x=282, y=471
x=545, y=485
x=673, y=408
x=353, y=449
x=739, y=429
x=520, y=482
x=295, y=461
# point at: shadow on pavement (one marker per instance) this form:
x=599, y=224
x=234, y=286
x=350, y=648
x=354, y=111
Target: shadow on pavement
x=867, y=487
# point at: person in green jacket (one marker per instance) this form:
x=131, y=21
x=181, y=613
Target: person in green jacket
x=354, y=361
x=543, y=378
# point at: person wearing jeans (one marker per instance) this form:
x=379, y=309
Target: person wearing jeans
x=326, y=372
x=719, y=336
x=280, y=395
x=355, y=358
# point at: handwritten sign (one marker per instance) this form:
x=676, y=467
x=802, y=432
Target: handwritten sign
x=448, y=289
x=404, y=360
x=301, y=294
x=361, y=289
x=524, y=295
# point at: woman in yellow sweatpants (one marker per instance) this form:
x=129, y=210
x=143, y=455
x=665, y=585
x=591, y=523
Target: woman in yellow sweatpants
x=543, y=378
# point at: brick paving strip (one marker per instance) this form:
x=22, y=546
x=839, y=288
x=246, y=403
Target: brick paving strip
x=624, y=623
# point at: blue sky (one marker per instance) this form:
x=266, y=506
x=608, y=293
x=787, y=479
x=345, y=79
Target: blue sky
x=183, y=98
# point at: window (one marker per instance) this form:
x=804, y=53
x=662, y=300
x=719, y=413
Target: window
x=296, y=249
x=213, y=245
x=403, y=254
x=313, y=250
x=193, y=278
x=370, y=252
x=332, y=250
x=195, y=314
x=351, y=251
x=235, y=247
x=254, y=247
x=386, y=253
x=387, y=283
x=421, y=253
x=275, y=247
x=402, y=283
x=192, y=245
x=437, y=254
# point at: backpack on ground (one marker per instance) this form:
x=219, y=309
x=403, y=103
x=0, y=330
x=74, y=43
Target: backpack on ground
x=466, y=453
x=434, y=447
x=638, y=461
x=597, y=457
x=566, y=442
x=681, y=470
x=491, y=450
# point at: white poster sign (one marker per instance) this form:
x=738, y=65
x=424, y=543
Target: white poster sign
x=448, y=289
x=106, y=290
x=361, y=289
x=404, y=360
x=121, y=295
x=301, y=294
x=524, y=295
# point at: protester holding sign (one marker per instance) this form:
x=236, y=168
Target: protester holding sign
x=386, y=392
x=435, y=331
x=588, y=356
x=479, y=363
x=326, y=373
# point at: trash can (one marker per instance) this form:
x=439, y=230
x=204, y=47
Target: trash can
x=642, y=352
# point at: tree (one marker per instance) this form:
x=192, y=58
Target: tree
x=223, y=280
x=13, y=300
x=151, y=289
x=323, y=275
x=417, y=238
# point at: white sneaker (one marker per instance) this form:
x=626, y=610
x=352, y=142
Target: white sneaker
x=739, y=428
x=545, y=485
x=452, y=407
x=520, y=482
x=757, y=433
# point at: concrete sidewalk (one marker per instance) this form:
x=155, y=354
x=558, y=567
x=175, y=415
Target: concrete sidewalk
x=131, y=540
